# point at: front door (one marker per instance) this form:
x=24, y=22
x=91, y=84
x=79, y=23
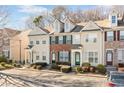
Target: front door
x=109, y=57
x=53, y=58
x=77, y=58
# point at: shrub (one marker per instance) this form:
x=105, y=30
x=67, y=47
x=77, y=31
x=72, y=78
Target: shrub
x=2, y=67
x=34, y=66
x=39, y=63
x=63, y=63
x=92, y=69
x=66, y=69
x=39, y=67
x=15, y=64
x=78, y=69
x=3, y=59
x=8, y=66
x=55, y=66
x=85, y=69
x=86, y=64
x=3, y=63
x=10, y=61
x=101, y=69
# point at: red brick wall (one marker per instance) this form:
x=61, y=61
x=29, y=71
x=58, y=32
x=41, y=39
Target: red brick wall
x=59, y=47
x=114, y=45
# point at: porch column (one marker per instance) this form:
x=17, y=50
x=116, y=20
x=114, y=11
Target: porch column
x=72, y=59
x=30, y=56
x=81, y=58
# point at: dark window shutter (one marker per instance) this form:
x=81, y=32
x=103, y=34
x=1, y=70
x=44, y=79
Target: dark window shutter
x=71, y=39
x=56, y=40
x=114, y=35
x=105, y=36
x=64, y=39
x=118, y=35
x=50, y=41
x=69, y=56
x=58, y=56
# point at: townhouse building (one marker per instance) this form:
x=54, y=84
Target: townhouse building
x=38, y=48
x=5, y=35
x=18, y=45
x=96, y=42
x=76, y=43
x=114, y=40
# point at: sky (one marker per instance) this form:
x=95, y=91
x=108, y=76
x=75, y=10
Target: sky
x=18, y=14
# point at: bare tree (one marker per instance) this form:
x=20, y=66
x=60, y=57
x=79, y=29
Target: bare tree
x=4, y=14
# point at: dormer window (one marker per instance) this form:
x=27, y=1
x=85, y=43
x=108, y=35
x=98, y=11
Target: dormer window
x=67, y=27
x=57, y=26
x=113, y=19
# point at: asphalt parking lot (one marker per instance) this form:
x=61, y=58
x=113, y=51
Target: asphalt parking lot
x=49, y=78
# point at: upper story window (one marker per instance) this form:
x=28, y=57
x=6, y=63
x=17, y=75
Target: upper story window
x=68, y=39
x=52, y=40
x=121, y=35
x=91, y=38
x=37, y=42
x=67, y=27
x=56, y=26
x=76, y=39
x=44, y=42
x=110, y=36
x=113, y=19
x=60, y=39
x=31, y=42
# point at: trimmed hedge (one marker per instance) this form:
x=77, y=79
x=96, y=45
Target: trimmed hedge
x=78, y=69
x=64, y=63
x=86, y=64
x=55, y=66
x=100, y=69
x=39, y=63
x=39, y=67
x=66, y=69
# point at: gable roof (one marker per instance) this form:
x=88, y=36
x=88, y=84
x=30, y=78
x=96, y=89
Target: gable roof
x=91, y=26
x=11, y=32
x=38, y=31
x=77, y=28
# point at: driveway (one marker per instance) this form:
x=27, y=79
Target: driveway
x=48, y=78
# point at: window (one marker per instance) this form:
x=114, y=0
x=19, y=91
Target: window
x=110, y=36
x=63, y=56
x=31, y=42
x=37, y=57
x=76, y=39
x=91, y=38
x=44, y=42
x=93, y=57
x=68, y=39
x=60, y=39
x=52, y=40
x=37, y=42
x=43, y=57
x=121, y=55
x=67, y=27
x=56, y=26
x=113, y=19
x=121, y=35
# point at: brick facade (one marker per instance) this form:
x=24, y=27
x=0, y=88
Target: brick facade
x=59, y=47
x=114, y=45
